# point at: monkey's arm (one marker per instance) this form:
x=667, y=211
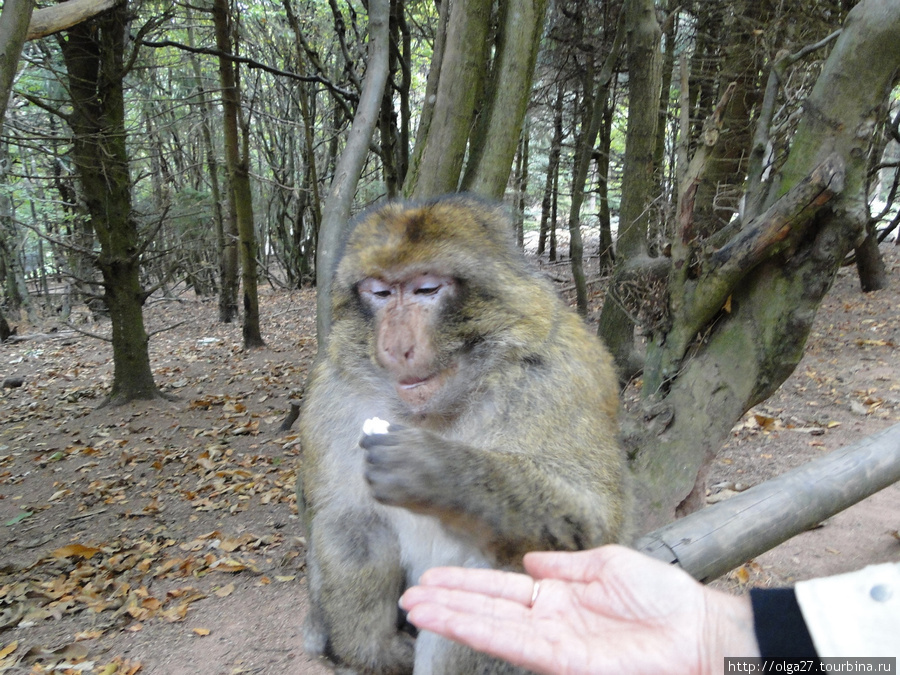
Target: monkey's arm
x=354, y=569
x=509, y=503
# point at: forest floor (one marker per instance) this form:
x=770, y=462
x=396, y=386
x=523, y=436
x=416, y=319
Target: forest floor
x=162, y=537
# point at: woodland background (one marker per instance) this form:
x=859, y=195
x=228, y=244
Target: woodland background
x=175, y=178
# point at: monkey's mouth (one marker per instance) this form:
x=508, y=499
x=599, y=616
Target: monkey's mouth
x=416, y=391
x=413, y=382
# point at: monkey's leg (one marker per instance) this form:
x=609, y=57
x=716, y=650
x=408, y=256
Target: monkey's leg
x=355, y=582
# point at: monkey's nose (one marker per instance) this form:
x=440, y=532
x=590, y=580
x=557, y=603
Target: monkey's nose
x=398, y=354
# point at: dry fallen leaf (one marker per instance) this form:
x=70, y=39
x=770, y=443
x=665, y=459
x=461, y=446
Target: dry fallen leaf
x=225, y=591
x=9, y=649
x=72, y=550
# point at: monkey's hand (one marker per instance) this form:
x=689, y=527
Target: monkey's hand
x=405, y=466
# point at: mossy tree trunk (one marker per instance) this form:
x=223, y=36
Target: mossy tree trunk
x=740, y=311
x=94, y=57
x=644, y=82
x=475, y=101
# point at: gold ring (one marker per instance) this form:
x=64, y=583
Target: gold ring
x=534, y=593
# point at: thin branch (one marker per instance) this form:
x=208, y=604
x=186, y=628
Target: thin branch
x=813, y=47
x=40, y=103
x=139, y=39
x=166, y=328
x=250, y=63
x=104, y=338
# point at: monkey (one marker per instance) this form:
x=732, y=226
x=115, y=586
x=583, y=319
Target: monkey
x=502, y=439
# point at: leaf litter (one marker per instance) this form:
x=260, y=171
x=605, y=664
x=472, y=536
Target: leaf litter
x=119, y=523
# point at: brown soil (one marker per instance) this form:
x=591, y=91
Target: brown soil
x=162, y=536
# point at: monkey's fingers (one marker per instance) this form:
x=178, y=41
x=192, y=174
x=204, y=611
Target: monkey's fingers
x=518, y=588
x=385, y=440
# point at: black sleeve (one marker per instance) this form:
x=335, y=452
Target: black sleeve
x=780, y=629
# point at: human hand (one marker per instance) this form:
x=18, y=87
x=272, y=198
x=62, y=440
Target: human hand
x=607, y=610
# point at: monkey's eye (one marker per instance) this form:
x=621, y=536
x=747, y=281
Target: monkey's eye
x=429, y=285
x=376, y=288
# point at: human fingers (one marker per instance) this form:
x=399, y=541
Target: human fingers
x=496, y=626
x=518, y=588
x=581, y=566
x=471, y=604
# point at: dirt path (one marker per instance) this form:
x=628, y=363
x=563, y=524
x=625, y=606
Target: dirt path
x=163, y=537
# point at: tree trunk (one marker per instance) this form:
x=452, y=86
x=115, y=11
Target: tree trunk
x=308, y=241
x=93, y=53
x=500, y=120
x=754, y=298
x=595, y=100
x=521, y=183
x=5, y=330
x=644, y=77
x=226, y=308
x=53, y=19
x=548, y=222
x=873, y=275
x=14, y=20
x=237, y=162
x=336, y=213
x=441, y=146
x=606, y=251
x=718, y=194
x=10, y=259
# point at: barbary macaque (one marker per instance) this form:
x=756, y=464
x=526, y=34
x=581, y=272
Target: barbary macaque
x=502, y=429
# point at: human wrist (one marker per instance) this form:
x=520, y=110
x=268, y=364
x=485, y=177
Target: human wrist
x=731, y=621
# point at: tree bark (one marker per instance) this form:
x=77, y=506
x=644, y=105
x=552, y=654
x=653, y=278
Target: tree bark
x=14, y=18
x=605, y=250
x=718, y=194
x=548, y=213
x=5, y=330
x=336, y=213
x=10, y=259
x=307, y=97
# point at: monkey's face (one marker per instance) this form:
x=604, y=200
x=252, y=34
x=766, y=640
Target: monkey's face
x=407, y=311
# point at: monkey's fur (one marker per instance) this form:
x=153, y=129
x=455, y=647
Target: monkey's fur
x=511, y=447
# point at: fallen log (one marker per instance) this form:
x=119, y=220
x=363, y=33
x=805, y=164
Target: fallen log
x=718, y=538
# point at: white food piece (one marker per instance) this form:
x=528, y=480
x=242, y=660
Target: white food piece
x=374, y=425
